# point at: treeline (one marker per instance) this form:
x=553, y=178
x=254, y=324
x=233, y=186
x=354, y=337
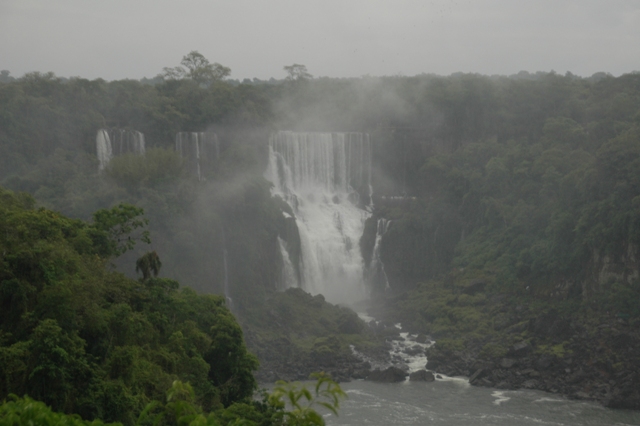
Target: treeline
x=41, y=113
x=527, y=180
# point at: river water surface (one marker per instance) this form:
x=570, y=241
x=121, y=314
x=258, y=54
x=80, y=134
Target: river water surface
x=453, y=401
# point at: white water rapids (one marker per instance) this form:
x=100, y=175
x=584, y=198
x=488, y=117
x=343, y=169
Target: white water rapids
x=319, y=175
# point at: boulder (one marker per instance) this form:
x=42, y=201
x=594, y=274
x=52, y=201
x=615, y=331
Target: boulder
x=360, y=373
x=520, y=349
x=422, y=376
x=477, y=375
x=507, y=362
x=390, y=375
x=432, y=364
x=415, y=350
x=422, y=338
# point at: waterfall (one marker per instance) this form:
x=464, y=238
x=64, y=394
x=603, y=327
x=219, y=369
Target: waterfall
x=103, y=148
x=376, y=273
x=325, y=178
x=225, y=255
x=199, y=149
x=288, y=270
x=113, y=142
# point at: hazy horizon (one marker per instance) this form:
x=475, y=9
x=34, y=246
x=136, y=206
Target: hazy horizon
x=119, y=39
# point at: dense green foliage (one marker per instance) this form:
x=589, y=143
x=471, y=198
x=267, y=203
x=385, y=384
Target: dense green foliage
x=85, y=339
x=181, y=408
x=528, y=183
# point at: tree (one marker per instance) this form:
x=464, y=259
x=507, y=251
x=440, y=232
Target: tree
x=5, y=77
x=327, y=394
x=198, y=69
x=115, y=227
x=297, y=72
x=148, y=263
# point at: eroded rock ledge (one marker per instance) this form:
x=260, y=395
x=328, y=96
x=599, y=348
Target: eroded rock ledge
x=599, y=364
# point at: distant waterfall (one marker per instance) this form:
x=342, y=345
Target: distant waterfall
x=114, y=142
x=288, y=270
x=376, y=273
x=225, y=262
x=199, y=149
x=326, y=179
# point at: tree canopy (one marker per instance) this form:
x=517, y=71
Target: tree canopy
x=197, y=68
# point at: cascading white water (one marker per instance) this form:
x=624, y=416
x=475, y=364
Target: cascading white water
x=376, y=273
x=318, y=175
x=113, y=142
x=103, y=148
x=288, y=270
x=198, y=148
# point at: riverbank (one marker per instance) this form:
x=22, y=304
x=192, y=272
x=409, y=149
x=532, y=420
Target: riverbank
x=593, y=363
x=497, y=342
x=502, y=342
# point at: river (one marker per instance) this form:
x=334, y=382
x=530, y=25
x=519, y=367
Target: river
x=452, y=401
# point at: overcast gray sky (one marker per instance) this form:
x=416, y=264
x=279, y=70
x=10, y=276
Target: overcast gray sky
x=115, y=39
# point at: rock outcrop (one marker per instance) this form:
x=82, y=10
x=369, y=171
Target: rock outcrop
x=600, y=364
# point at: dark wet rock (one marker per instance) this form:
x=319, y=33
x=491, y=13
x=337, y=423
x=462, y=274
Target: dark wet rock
x=360, y=373
x=422, y=338
x=416, y=350
x=422, y=376
x=390, y=375
x=477, y=375
x=520, y=349
x=402, y=366
x=545, y=362
x=432, y=364
x=571, y=356
x=508, y=362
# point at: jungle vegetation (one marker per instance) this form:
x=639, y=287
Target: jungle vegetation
x=529, y=183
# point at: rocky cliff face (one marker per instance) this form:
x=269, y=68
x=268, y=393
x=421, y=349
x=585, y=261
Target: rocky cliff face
x=603, y=270
x=598, y=362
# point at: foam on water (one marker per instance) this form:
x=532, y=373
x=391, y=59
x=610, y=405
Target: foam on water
x=500, y=397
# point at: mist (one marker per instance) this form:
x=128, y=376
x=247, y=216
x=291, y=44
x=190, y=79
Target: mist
x=468, y=222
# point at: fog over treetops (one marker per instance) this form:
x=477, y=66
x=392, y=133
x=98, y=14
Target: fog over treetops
x=176, y=204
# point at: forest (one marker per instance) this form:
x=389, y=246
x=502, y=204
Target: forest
x=526, y=187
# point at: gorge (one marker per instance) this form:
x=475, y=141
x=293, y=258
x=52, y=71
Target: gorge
x=496, y=215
